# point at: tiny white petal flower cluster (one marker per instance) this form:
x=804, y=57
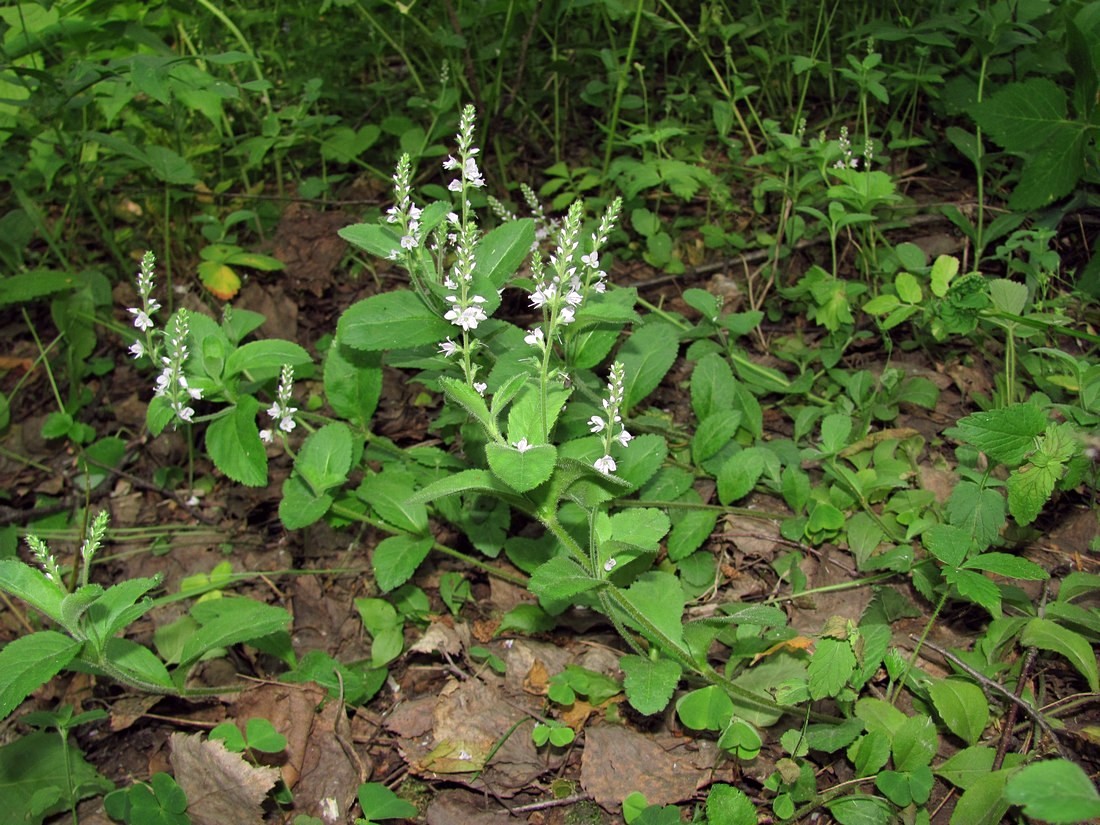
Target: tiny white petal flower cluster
x=404, y=212
x=847, y=161
x=172, y=384
x=522, y=445
x=611, y=420
x=143, y=315
x=281, y=411
x=45, y=559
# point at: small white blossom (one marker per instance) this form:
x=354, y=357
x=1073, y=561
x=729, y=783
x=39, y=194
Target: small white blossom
x=468, y=317
x=609, y=565
x=480, y=386
x=566, y=316
x=591, y=260
x=534, y=338
x=522, y=445
x=137, y=349
x=266, y=436
x=596, y=424
x=605, y=465
x=624, y=437
x=141, y=319
x=448, y=348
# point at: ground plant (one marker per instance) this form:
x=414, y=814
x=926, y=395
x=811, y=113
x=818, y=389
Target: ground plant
x=698, y=422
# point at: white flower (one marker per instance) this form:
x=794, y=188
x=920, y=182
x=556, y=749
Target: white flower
x=408, y=242
x=522, y=445
x=542, y=295
x=455, y=185
x=450, y=163
x=574, y=298
x=605, y=465
x=141, y=319
x=471, y=173
x=624, y=437
x=468, y=317
x=137, y=349
x=596, y=424
x=266, y=436
x=534, y=337
x=591, y=260
x=566, y=316
x=186, y=414
x=448, y=348
x=609, y=565
x=480, y=386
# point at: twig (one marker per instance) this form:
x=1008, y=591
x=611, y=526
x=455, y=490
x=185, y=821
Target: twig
x=553, y=803
x=995, y=687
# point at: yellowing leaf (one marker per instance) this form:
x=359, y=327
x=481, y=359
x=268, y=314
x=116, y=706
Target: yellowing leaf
x=791, y=645
x=220, y=279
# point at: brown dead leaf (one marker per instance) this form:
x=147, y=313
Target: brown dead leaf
x=221, y=786
x=617, y=761
x=124, y=712
x=444, y=638
x=537, y=680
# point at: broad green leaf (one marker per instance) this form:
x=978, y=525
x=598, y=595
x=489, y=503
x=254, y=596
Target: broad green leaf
x=396, y=558
x=649, y=683
x=870, y=753
x=559, y=580
x=465, y=481
x=29, y=662
x=37, y=771
x=324, y=459
x=983, y=802
x=947, y=543
x=263, y=737
x=24, y=287
x=713, y=433
x=121, y=605
x=727, y=805
x=659, y=597
x=642, y=527
x=1047, y=635
x=738, y=475
x=468, y=398
x=831, y=667
x=906, y=787
x=522, y=470
x=139, y=664
x=229, y=621
x=639, y=462
x=1056, y=791
x=915, y=743
x=835, y=430
x=1007, y=565
x=962, y=706
x=880, y=715
x=690, y=528
x=265, y=356
x=31, y=585
x=707, y=708
x=390, y=496
x=713, y=387
x=379, y=802
x=1030, y=487
x=353, y=383
x=977, y=588
x=391, y=320
x=300, y=506
x=526, y=417
x=963, y=768
x=1006, y=435
x=1074, y=585
x=944, y=269
x=378, y=239
x=740, y=739
x=1008, y=296
x=860, y=809
x=646, y=356
x=502, y=250
x=980, y=511
x=908, y=288
x=233, y=442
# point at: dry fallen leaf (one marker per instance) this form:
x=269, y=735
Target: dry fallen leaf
x=221, y=786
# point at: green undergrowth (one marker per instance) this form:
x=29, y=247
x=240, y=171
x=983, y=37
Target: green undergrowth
x=587, y=440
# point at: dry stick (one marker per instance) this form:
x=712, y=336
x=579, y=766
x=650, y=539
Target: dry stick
x=1013, y=710
x=995, y=687
x=552, y=803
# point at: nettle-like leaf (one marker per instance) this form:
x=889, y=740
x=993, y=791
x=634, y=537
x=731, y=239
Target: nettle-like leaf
x=390, y=495
x=228, y=621
x=353, y=383
x=649, y=683
x=267, y=357
x=978, y=511
x=1030, y=486
x=396, y=558
x=233, y=442
x=831, y=666
x=643, y=527
x=391, y=320
x=522, y=470
x=29, y=662
x=324, y=459
x=1006, y=435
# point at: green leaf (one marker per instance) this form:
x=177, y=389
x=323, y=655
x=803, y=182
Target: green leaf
x=979, y=511
x=690, y=528
x=396, y=558
x=962, y=769
x=727, y=805
x=263, y=737
x=962, y=706
x=1004, y=564
x=831, y=667
x=119, y=607
x=641, y=527
x=379, y=802
x=947, y=543
x=1047, y=635
x=1006, y=435
x=983, y=802
x=391, y=320
x=468, y=398
x=860, y=809
x=390, y=495
x=1056, y=791
x=708, y=708
x=1008, y=296
x=233, y=442
x=649, y=683
x=915, y=743
x=229, y=621
x=42, y=762
x=378, y=239
x=465, y=481
x=1030, y=487
x=353, y=383
x=647, y=356
x=502, y=250
x=266, y=356
x=977, y=588
x=713, y=387
x=659, y=597
x=139, y=664
x=521, y=470
x=300, y=506
x=713, y=433
x=25, y=582
x=879, y=715
x=324, y=459
x=738, y=474
x=29, y=662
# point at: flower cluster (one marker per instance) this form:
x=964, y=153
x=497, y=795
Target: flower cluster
x=143, y=315
x=281, y=411
x=45, y=559
x=172, y=384
x=611, y=419
x=404, y=212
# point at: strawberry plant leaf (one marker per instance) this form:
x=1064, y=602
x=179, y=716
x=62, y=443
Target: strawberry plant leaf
x=830, y=667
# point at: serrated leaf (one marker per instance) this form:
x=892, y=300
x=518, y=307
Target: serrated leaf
x=963, y=768
x=1029, y=489
x=947, y=543
x=646, y=356
x=29, y=662
x=396, y=558
x=915, y=743
x=1004, y=564
x=1047, y=635
x=300, y=506
x=660, y=598
x=269, y=355
x=831, y=666
x=501, y=251
x=220, y=279
x=978, y=511
x=713, y=433
x=559, y=579
x=738, y=475
x=641, y=527
x=229, y=621
x=649, y=683
x=233, y=442
x=390, y=495
x=353, y=383
x=324, y=459
x=1056, y=791
x=1006, y=435
x=713, y=387
x=977, y=588
x=522, y=470
x=962, y=706
x=391, y=320
x=727, y=805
